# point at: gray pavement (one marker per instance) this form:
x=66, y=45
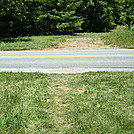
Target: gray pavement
x=68, y=61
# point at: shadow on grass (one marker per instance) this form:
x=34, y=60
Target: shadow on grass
x=13, y=40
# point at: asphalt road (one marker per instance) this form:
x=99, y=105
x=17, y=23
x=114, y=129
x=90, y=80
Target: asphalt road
x=67, y=61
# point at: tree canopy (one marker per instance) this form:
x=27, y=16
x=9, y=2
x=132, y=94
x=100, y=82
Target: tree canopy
x=43, y=17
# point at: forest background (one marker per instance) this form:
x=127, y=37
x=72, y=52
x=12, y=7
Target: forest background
x=56, y=17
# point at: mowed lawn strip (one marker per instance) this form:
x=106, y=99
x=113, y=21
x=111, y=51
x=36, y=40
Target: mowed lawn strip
x=30, y=43
x=94, y=103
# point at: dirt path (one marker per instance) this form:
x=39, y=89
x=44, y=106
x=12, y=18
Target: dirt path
x=80, y=43
x=90, y=43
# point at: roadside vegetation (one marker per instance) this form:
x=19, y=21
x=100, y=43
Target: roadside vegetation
x=32, y=22
x=30, y=43
x=119, y=38
x=95, y=103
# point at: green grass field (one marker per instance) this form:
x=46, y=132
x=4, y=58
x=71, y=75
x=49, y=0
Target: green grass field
x=120, y=37
x=89, y=103
x=30, y=43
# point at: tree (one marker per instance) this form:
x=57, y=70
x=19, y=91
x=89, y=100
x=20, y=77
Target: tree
x=61, y=19
x=97, y=15
x=12, y=16
x=127, y=12
x=43, y=17
x=34, y=17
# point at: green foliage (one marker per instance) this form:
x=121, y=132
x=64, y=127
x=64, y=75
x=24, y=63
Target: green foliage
x=42, y=17
x=121, y=37
x=61, y=19
x=127, y=14
x=12, y=16
x=98, y=15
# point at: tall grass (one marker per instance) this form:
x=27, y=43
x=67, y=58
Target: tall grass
x=121, y=37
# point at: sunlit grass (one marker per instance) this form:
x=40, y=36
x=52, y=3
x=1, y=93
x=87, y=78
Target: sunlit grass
x=24, y=104
x=121, y=37
x=89, y=103
x=30, y=43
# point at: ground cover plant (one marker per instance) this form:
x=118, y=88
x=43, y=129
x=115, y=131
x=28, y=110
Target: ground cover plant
x=119, y=38
x=44, y=42
x=95, y=103
x=30, y=43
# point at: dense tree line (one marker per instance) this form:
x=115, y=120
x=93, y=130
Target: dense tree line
x=46, y=17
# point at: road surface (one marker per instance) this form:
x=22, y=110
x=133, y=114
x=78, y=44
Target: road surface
x=67, y=61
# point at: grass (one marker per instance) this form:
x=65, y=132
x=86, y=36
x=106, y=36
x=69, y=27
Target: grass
x=120, y=37
x=35, y=42
x=89, y=103
x=30, y=43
